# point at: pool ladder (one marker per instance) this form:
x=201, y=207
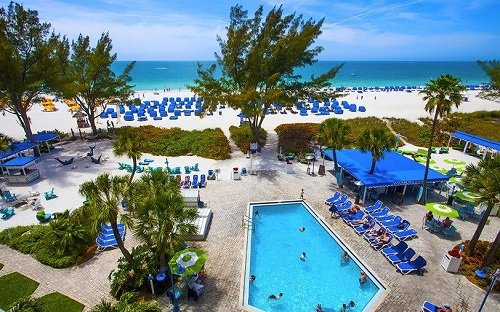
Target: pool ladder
x=247, y=222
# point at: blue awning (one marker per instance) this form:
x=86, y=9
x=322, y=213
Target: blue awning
x=394, y=169
x=20, y=162
x=45, y=137
x=483, y=142
x=16, y=148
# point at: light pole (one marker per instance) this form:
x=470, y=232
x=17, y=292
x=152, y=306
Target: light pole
x=494, y=278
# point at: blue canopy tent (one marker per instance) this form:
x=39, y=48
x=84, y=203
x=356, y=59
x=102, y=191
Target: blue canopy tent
x=15, y=149
x=21, y=170
x=392, y=170
x=490, y=145
x=45, y=137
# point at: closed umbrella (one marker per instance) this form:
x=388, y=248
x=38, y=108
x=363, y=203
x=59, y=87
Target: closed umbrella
x=442, y=210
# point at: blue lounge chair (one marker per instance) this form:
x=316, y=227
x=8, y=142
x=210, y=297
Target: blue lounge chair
x=379, y=245
x=187, y=169
x=406, y=234
x=429, y=307
x=9, y=197
x=411, y=266
x=391, y=222
x=380, y=213
x=195, y=167
x=399, y=248
x=7, y=214
x=106, y=238
x=211, y=174
x=122, y=166
x=330, y=200
x=398, y=227
x=361, y=229
x=385, y=218
x=339, y=201
x=450, y=231
x=344, y=206
x=203, y=181
x=106, y=229
x=402, y=257
x=374, y=207
x=350, y=217
x=195, y=181
x=50, y=194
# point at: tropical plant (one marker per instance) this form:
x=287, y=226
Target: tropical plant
x=492, y=69
x=31, y=61
x=483, y=179
x=104, y=195
x=333, y=133
x=243, y=137
x=27, y=304
x=377, y=141
x=5, y=142
x=90, y=80
x=129, y=302
x=440, y=95
x=129, y=145
x=161, y=220
x=258, y=59
x=67, y=236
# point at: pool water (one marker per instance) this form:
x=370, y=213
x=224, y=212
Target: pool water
x=273, y=256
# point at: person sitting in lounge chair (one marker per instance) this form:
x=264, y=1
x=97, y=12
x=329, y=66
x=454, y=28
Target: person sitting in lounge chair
x=353, y=210
x=365, y=222
x=374, y=234
x=429, y=216
x=446, y=223
x=380, y=241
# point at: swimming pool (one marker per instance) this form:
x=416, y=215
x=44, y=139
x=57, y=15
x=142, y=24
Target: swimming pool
x=274, y=246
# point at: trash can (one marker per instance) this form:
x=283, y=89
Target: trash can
x=308, y=170
x=450, y=263
x=236, y=174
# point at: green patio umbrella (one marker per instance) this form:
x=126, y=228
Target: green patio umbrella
x=423, y=160
x=442, y=210
x=454, y=161
x=187, y=261
x=468, y=196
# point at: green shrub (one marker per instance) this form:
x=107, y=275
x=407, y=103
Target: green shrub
x=242, y=137
x=413, y=132
x=14, y=287
x=56, y=302
x=207, y=143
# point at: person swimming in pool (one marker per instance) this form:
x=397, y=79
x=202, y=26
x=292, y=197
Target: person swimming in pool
x=345, y=257
x=275, y=297
x=362, y=277
x=302, y=229
x=303, y=256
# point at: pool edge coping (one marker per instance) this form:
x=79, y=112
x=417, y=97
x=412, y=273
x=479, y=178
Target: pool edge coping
x=377, y=300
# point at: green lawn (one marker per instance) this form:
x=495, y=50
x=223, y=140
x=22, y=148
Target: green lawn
x=13, y=287
x=57, y=302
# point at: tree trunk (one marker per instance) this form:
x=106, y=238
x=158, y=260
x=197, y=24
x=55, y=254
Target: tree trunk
x=24, y=120
x=423, y=199
x=92, y=124
x=163, y=259
x=134, y=168
x=335, y=163
x=479, y=230
x=492, y=252
x=120, y=244
x=372, y=169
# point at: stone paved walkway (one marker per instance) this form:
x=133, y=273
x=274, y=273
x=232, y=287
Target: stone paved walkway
x=225, y=248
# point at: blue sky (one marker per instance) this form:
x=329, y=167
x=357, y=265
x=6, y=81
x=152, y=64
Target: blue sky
x=354, y=30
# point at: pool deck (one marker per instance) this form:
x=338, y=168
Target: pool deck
x=224, y=246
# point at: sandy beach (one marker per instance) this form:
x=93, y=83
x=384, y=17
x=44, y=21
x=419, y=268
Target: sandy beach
x=378, y=104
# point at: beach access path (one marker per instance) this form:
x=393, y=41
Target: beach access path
x=224, y=246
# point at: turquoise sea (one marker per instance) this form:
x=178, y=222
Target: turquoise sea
x=159, y=75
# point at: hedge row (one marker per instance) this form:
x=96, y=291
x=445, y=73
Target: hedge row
x=297, y=137
x=242, y=137
x=208, y=143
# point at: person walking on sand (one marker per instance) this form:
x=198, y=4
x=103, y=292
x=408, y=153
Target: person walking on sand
x=302, y=194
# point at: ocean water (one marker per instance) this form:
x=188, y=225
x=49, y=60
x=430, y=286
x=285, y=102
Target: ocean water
x=276, y=246
x=160, y=75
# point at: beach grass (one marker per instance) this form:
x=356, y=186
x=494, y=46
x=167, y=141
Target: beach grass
x=14, y=287
x=56, y=302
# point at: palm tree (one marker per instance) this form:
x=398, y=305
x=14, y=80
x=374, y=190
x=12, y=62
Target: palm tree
x=129, y=145
x=483, y=179
x=333, y=133
x=161, y=220
x=104, y=195
x=67, y=235
x=440, y=95
x=129, y=302
x=377, y=141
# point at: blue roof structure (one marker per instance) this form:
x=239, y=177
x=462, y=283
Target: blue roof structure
x=45, y=137
x=16, y=148
x=476, y=140
x=394, y=169
x=19, y=162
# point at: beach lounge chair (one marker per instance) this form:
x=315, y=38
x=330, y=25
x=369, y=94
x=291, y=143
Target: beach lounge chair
x=399, y=248
x=36, y=204
x=361, y=229
x=391, y=222
x=203, y=181
x=43, y=217
x=9, y=197
x=406, y=234
x=91, y=152
x=195, y=181
x=187, y=169
x=449, y=231
x=380, y=213
x=412, y=266
x=344, y=206
x=403, y=225
x=377, y=245
x=8, y=213
x=444, y=150
x=429, y=307
x=65, y=162
x=378, y=204
x=96, y=160
x=385, y=218
x=50, y=194
x=339, y=201
x=402, y=257
x=330, y=200
x=195, y=167
x=106, y=237
x=122, y=166
x=211, y=175
x=348, y=218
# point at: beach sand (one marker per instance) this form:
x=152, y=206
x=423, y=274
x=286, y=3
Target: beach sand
x=378, y=104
